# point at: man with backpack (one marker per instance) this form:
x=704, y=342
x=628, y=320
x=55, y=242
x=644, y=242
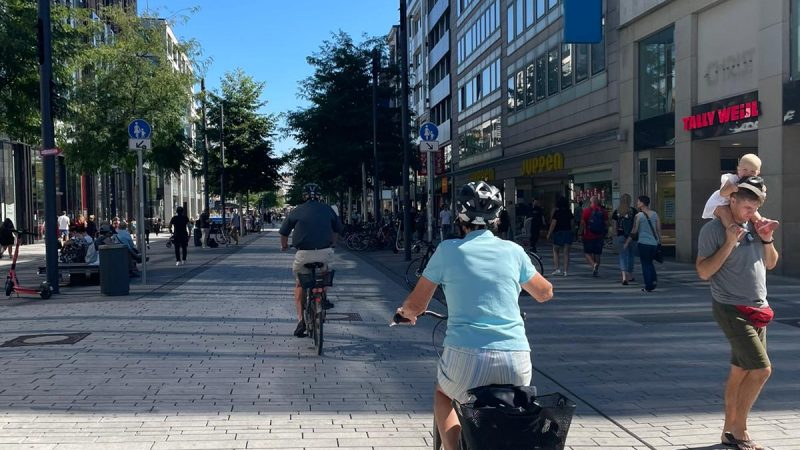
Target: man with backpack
x=593, y=229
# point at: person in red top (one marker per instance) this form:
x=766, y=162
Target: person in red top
x=593, y=233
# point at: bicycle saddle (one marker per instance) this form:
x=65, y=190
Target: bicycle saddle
x=314, y=265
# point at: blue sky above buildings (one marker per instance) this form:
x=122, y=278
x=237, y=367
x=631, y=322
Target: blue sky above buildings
x=270, y=39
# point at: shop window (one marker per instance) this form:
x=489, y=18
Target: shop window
x=657, y=74
x=510, y=92
x=520, y=99
x=644, y=185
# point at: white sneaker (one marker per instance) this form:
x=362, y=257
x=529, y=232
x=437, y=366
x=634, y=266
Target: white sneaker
x=183, y=263
x=556, y=272
x=565, y=274
x=177, y=263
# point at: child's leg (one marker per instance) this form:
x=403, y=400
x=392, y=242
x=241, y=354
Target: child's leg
x=723, y=212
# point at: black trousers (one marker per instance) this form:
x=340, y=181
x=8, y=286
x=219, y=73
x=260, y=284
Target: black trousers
x=180, y=246
x=534, y=238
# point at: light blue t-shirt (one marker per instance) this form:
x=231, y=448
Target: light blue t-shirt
x=481, y=277
x=646, y=235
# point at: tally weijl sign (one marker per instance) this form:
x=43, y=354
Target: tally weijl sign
x=721, y=116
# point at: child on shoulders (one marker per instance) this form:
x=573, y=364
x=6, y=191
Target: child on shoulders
x=717, y=204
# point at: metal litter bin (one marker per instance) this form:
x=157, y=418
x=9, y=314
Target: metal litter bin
x=114, y=260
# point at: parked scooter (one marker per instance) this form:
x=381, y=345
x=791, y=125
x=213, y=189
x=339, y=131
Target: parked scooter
x=12, y=284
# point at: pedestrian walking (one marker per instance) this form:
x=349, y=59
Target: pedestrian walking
x=503, y=224
x=63, y=225
x=179, y=227
x=445, y=221
x=647, y=232
x=593, y=230
x=236, y=223
x=91, y=227
x=623, y=218
x=6, y=237
x=736, y=260
x=205, y=227
x=561, y=221
x=536, y=224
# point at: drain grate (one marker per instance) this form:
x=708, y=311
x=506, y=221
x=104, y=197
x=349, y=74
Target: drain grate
x=351, y=317
x=45, y=339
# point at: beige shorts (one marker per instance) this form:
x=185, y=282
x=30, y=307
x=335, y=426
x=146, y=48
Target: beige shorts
x=302, y=257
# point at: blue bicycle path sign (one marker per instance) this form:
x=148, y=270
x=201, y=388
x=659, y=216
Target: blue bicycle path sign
x=139, y=129
x=428, y=132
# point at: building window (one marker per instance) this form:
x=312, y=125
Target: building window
x=541, y=81
x=520, y=18
x=510, y=24
x=530, y=12
x=657, y=74
x=566, y=66
x=540, y=9
x=795, y=39
x=485, y=24
x=441, y=112
x=551, y=4
x=599, y=53
x=510, y=91
x=530, y=82
x=479, y=139
x=581, y=62
x=553, y=71
x=520, y=99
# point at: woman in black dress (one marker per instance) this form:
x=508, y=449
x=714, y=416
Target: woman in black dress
x=6, y=237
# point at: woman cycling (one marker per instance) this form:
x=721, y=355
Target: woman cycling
x=482, y=277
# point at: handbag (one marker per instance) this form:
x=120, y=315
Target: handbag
x=658, y=256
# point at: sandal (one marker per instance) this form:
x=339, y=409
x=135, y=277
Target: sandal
x=741, y=444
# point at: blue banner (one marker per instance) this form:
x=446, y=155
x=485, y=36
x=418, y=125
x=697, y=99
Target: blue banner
x=583, y=21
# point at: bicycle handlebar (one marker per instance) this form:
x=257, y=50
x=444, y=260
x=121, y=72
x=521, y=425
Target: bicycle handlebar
x=398, y=319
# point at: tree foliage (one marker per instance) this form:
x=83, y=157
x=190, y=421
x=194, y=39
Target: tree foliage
x=20, y=117
x=250, y=163
x=136, y=73
x=335, y=131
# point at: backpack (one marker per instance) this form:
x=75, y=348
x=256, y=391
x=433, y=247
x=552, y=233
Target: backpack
x=597, y=223
x=626, y=222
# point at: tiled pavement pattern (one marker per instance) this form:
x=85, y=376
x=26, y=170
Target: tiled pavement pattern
x=204, y=359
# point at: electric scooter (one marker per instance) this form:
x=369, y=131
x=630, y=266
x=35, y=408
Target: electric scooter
x=12, y=284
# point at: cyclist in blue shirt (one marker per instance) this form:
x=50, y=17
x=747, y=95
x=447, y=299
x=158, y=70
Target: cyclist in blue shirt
x=482, y=277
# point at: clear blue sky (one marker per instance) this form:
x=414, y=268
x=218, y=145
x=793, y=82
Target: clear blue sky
x=270, y=39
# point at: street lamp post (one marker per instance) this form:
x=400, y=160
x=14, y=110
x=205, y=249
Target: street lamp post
x=222, y=159
x=377, y=180
x=48, y=142
x=404, y=129
x=205, y=145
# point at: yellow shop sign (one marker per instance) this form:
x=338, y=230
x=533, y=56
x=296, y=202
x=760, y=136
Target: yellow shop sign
x=482, y=175
x=544, y=163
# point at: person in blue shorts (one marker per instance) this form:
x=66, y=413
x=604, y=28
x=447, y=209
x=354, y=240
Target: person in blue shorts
x=482, y=276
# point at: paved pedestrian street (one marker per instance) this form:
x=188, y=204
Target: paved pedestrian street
x=203, y=357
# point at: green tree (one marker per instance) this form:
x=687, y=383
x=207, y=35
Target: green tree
x=335, y=131
x=250, y=164
x=137, y=73
x=19, y=65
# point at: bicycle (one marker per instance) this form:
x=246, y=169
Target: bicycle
x=220, y=235
x=506, y=417
x=417, y=266
x=536, y=260
x=314, y=300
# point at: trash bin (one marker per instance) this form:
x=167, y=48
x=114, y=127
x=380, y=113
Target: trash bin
x=198, y=237
x=114, y=260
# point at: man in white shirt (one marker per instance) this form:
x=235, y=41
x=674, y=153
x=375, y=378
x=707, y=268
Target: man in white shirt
x=445, y=220
x=63, y=225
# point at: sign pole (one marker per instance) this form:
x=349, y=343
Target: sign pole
x=140, y=228
x=430, y=196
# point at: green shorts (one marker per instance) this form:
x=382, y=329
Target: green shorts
x=748, y=343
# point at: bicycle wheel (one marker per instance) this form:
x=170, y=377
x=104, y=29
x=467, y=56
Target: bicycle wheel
x=413, y=272
x=307, y=313
x=319, y=320
x=536, y=260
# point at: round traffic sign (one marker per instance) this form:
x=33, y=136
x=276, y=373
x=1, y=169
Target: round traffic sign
x=428, y=131
x=139, y=129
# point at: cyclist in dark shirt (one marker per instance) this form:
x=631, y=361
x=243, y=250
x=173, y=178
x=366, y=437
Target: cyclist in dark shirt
x=316, y=227
x=179, y=227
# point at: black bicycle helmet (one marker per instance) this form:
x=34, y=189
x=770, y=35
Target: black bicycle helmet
x=479, y=203
x=312, y=191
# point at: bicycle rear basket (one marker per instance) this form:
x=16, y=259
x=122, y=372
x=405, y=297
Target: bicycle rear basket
x=543, y=424
x=322, y=279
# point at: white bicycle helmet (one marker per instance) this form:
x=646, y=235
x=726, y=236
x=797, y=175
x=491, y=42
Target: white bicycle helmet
x=479, y=203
